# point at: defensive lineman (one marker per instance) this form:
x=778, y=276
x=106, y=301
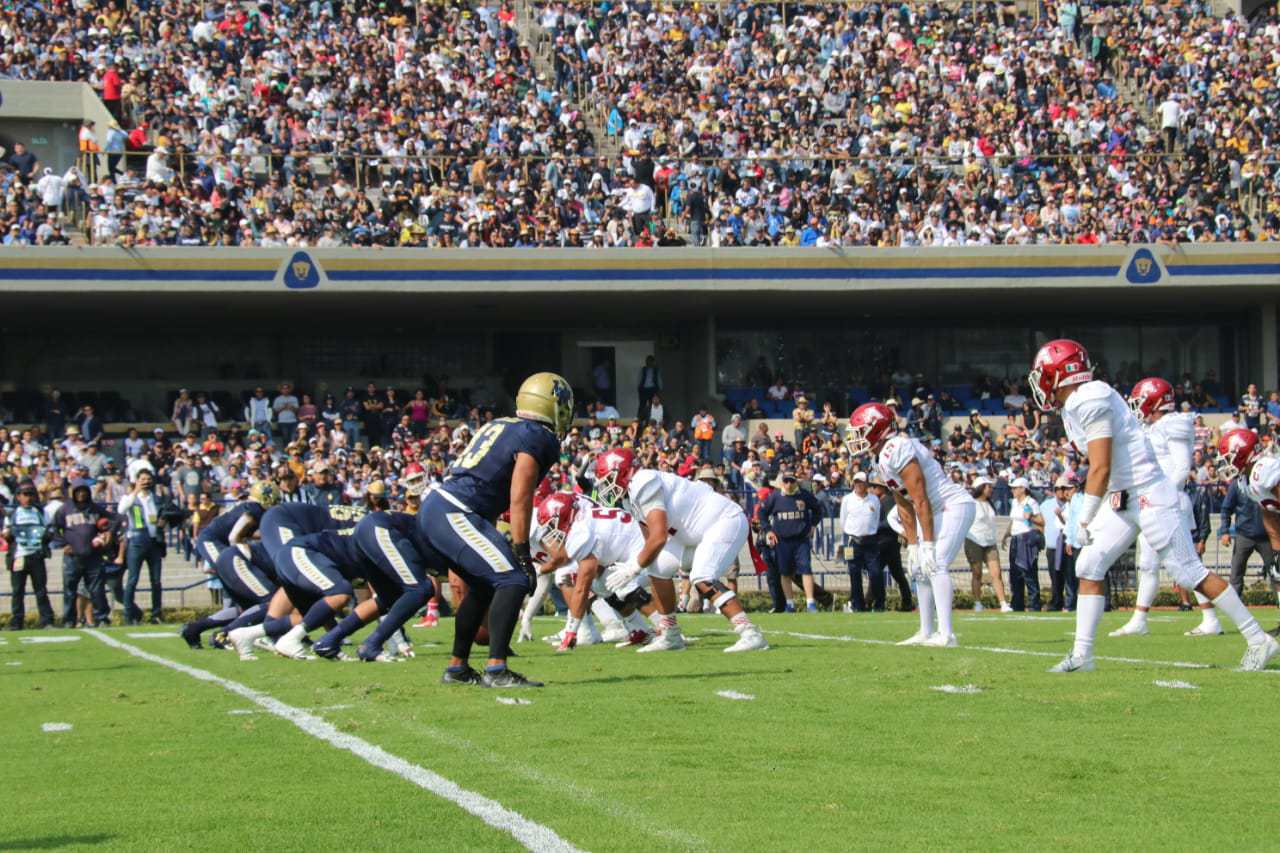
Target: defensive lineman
x=935, y=511
x=692, y=514
x=1172, y=435
x=1125, y=493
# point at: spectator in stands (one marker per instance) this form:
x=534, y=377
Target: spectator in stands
x=183, y=412
x=23, y=161
x=732, y=433
x=90, y=425
x=24, y=529
x=285, y=409
x=704, y=432
x=258, y=411
x=1251, y=407
x=980, y=546
x=371, y=414
x=801, y=419
x=648, y=385
x=205, y=413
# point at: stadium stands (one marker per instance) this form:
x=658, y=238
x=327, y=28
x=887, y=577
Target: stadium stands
x=466, y=125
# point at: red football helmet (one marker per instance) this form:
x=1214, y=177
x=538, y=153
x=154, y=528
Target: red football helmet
x=1058, y=364
x=414, y=479
x=1236, y=450
x=554, y=517
x=869, y=425
x=613, y=474
x=544, y=490
x=1149, y=396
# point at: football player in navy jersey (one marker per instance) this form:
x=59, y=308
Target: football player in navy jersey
x=234, y=526
x=498, y=472
x=315, y=572
x=248, y=578
x=288, y=521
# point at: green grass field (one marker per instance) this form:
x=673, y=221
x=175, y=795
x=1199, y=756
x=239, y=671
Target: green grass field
x=845, y=744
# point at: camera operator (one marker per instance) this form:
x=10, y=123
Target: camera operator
x=143, y=531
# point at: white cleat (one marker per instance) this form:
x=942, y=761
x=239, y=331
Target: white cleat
x=668, y=641
x=242, y=641
x=1257, y=656
x=919, y=638
x=939, y=641
x=1006, y=608
x=292, y=648
x=265, y=644
x=1071, y=663
x=615, y=633
x=752, y=640
x=553, y=639
x=1129, y=629
x=1203, y=630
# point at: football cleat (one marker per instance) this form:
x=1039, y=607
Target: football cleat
x=941, y=641
x=635, y=638
x=1071, y=663
x=917, y=639
x=290, y=646
x=670, y=640
x=1203, y=630
x=243, y=643
x=614, y=633
x=752, y=640
x=1006, y=608
x=219, y=640
x=369, y=654
x=811, y=608
x=265, y=644
x=191, y=636
x=554, y=639
x=1257, y=656
x=330, y=653
x=1129, y=629
x=466, y=675
x=429, y=620
x=504, y=678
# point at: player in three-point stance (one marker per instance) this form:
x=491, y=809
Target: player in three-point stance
x=935, y=513
x=709, y=525
x=1125, y=493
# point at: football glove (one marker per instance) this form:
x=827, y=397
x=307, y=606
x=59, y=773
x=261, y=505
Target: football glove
x=526, y=631
x=913, y=558
x=928, y=558
x=1084, y=537
x=525, y=558
x=622, y=575
x=568, y=641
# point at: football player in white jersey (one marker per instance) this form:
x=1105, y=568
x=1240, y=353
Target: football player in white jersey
x=594, y=540
x=1125, y=493
x=1173, y=436
x=709, y=526
x=935, y=511
x=1240, y=452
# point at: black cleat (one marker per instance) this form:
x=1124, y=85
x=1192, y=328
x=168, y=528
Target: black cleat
x=191, y=635
x=466, y=675
x=507, y=678
x=218, y=640
x=328, y=652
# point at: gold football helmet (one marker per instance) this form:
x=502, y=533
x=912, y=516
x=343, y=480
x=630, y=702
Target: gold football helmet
x=548, y=399
x=265, y=493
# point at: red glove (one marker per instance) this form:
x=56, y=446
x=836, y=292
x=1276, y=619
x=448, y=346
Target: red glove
x=568, y=641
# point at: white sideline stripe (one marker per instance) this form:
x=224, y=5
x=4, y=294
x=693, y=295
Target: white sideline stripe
x=56, y=727
x=61, y=638
x=733, y=694
x=1175, y=685
x=150, y=635
x=534, y=836
x=845, y=638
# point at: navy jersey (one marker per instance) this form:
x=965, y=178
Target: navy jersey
x=338, y=546
x=789, y=516
x=286, y=522
x=480, y=478
x=402, y=526
x=219, y=530
x=261, y=560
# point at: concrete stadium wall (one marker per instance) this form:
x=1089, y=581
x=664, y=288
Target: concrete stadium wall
x=47, y=118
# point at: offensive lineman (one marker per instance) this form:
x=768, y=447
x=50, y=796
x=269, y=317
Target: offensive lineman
x=1172, y=435
x=935, y=511
x=1125, y=493
x=692, y=515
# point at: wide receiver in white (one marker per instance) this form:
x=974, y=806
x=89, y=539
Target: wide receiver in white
x=935, y=511
x=709, y=526
x=1125, y=493
x=1173, y=436
x=1241, y=456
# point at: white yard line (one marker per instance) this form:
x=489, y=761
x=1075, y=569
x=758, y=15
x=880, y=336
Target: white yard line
x=999, y=650
x=533, y=836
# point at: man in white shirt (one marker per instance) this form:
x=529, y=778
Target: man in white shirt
x=1023, y=539
x=285, y=407
x=1170, y=120
x=1053, y=510
x=859, y=518
x=143, y=543
x=638, y=200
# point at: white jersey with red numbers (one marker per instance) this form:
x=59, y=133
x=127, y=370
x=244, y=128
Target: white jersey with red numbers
x=1096, y=411
x=610, y=535
x=1262, y=482
x=1173, y=438
x=692, y=508
x=899, y=452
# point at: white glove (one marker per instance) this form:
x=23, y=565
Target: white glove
x=622, y=574
x=1084, y=537
x=928, y=558
x=526, y=630
x=404, y=650
x=913, y=558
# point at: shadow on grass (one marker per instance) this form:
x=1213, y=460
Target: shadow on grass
x=681, y=676
x=52, y=842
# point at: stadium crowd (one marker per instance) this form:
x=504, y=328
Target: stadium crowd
x=321, y=124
